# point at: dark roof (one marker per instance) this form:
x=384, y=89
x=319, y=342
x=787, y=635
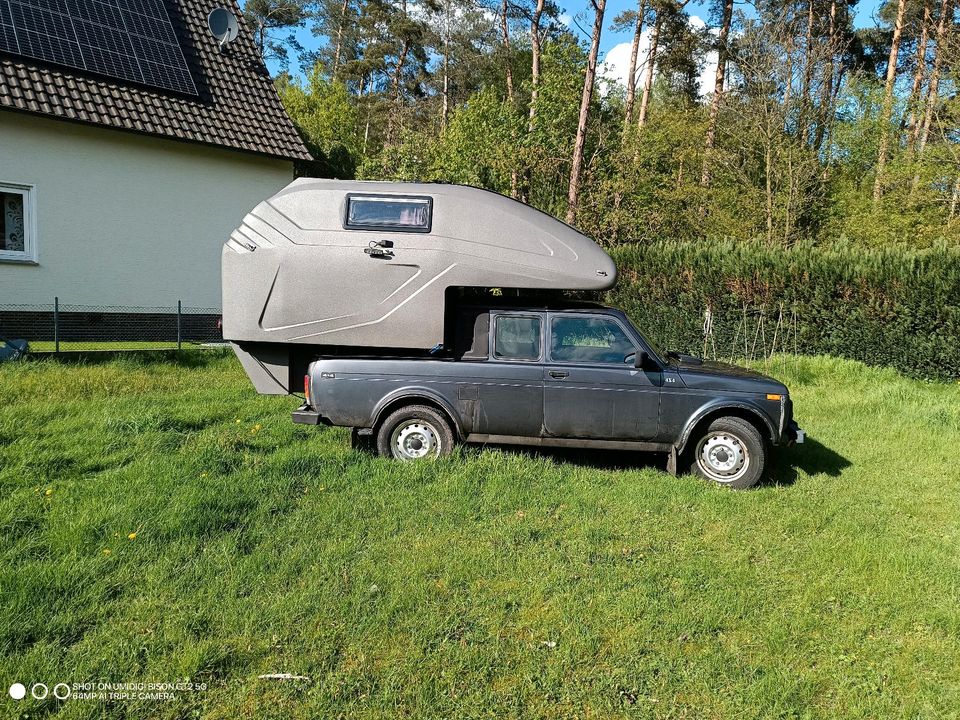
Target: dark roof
x=237, y=106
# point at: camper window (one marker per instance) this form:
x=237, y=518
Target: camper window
x=388, y=212
x=517, y=338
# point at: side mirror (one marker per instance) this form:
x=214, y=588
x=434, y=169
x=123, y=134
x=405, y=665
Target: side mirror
x=640, y=359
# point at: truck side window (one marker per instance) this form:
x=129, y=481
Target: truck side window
x=517, y=338
x=589, y=340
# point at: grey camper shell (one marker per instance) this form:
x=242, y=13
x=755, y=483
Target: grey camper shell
x=349, y=264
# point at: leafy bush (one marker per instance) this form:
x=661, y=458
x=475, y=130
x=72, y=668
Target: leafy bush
x=888, y=306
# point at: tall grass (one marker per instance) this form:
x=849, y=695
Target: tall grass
x=492, y=584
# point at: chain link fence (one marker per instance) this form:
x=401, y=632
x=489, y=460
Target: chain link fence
x=750, y=334
x=746, y=335
x=60, y=327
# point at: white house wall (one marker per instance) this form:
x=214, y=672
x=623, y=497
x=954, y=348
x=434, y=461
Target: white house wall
x=126, y=219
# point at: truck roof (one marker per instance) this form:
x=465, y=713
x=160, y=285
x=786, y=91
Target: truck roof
x=545, y=306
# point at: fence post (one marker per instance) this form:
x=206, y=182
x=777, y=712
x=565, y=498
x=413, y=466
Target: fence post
x=56, y=324
x=179, y=314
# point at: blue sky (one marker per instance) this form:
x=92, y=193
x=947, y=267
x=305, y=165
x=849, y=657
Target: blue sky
x=864, y=10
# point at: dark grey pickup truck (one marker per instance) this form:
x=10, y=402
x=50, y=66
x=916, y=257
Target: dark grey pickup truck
x=571, y=375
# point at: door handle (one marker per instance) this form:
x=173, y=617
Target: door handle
x=559, y=374
x=379, y=249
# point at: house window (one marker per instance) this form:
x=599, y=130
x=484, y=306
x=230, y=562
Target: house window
x=18, y=242
x=389, y=212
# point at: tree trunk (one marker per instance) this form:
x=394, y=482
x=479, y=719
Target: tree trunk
x=397, y=94
x=632, y=72
x=806, y=102
x=722, y=54
x=523, y=190
x=933, y=91
x=768, y=172
x=918, y=76
x=576, y=165
x=954, y=200
x=505, y=31
x=445, y=113
x=788, y=89
x=826, y=114
x=886, y=111
x=339, y=44
x=535, y=61
x=366, y=129
x=261, y=38
x=648, y=72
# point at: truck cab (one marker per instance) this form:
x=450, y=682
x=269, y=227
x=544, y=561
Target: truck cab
x=563, y=375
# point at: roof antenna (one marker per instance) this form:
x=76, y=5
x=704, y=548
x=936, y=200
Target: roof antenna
x=223, y=24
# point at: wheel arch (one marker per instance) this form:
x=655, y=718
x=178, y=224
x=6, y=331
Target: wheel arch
x=415, y=396
x=743, y=411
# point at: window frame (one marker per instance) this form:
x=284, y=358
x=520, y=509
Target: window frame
x=29, y=254
x=347, y=225
x=539, y=317
x=592, y=363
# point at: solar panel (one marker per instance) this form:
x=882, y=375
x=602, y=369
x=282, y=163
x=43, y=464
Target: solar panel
x=123, y=39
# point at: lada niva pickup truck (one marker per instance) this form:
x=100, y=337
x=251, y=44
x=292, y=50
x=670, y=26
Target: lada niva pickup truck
x=563, y=375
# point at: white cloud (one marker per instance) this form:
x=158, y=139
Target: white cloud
x=565, y=19
x=616, y=63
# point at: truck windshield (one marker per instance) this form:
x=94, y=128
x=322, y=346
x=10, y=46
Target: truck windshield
x=660, y=353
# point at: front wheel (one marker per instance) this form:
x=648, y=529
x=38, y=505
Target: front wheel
x=731, y=453
x=415, y=433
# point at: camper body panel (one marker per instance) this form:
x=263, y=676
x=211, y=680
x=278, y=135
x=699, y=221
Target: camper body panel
x=299, y=270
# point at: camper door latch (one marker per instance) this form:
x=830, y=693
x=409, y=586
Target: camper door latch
x=379, y=249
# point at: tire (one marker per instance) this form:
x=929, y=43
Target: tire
x=730, y=452
x=415, y=432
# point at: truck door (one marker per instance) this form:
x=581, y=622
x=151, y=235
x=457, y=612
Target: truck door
x=590, y=391
x=511, y=391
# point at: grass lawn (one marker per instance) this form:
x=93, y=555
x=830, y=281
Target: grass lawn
x=493, y=584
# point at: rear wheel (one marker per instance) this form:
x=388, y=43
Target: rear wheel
x=415, y=432
x=730, y=452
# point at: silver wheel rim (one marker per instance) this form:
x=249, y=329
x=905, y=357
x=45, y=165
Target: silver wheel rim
x=414, y=440
x=723, y=457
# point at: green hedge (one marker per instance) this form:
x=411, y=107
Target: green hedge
x=885, y=307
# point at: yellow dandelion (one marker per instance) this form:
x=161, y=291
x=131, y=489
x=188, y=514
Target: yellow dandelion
x=49, y=492
x=257, y=426
x=106, y=551
x=203, y=474
x=132, y=536
x=237, y=421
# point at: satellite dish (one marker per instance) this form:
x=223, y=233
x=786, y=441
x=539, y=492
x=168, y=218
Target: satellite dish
x=223, y=24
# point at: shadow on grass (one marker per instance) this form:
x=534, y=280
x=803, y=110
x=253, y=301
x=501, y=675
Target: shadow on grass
x=811, y=458
x=186, y=358
x=786, y=464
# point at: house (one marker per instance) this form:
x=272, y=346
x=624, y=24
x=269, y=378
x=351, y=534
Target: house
x=131, y=145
